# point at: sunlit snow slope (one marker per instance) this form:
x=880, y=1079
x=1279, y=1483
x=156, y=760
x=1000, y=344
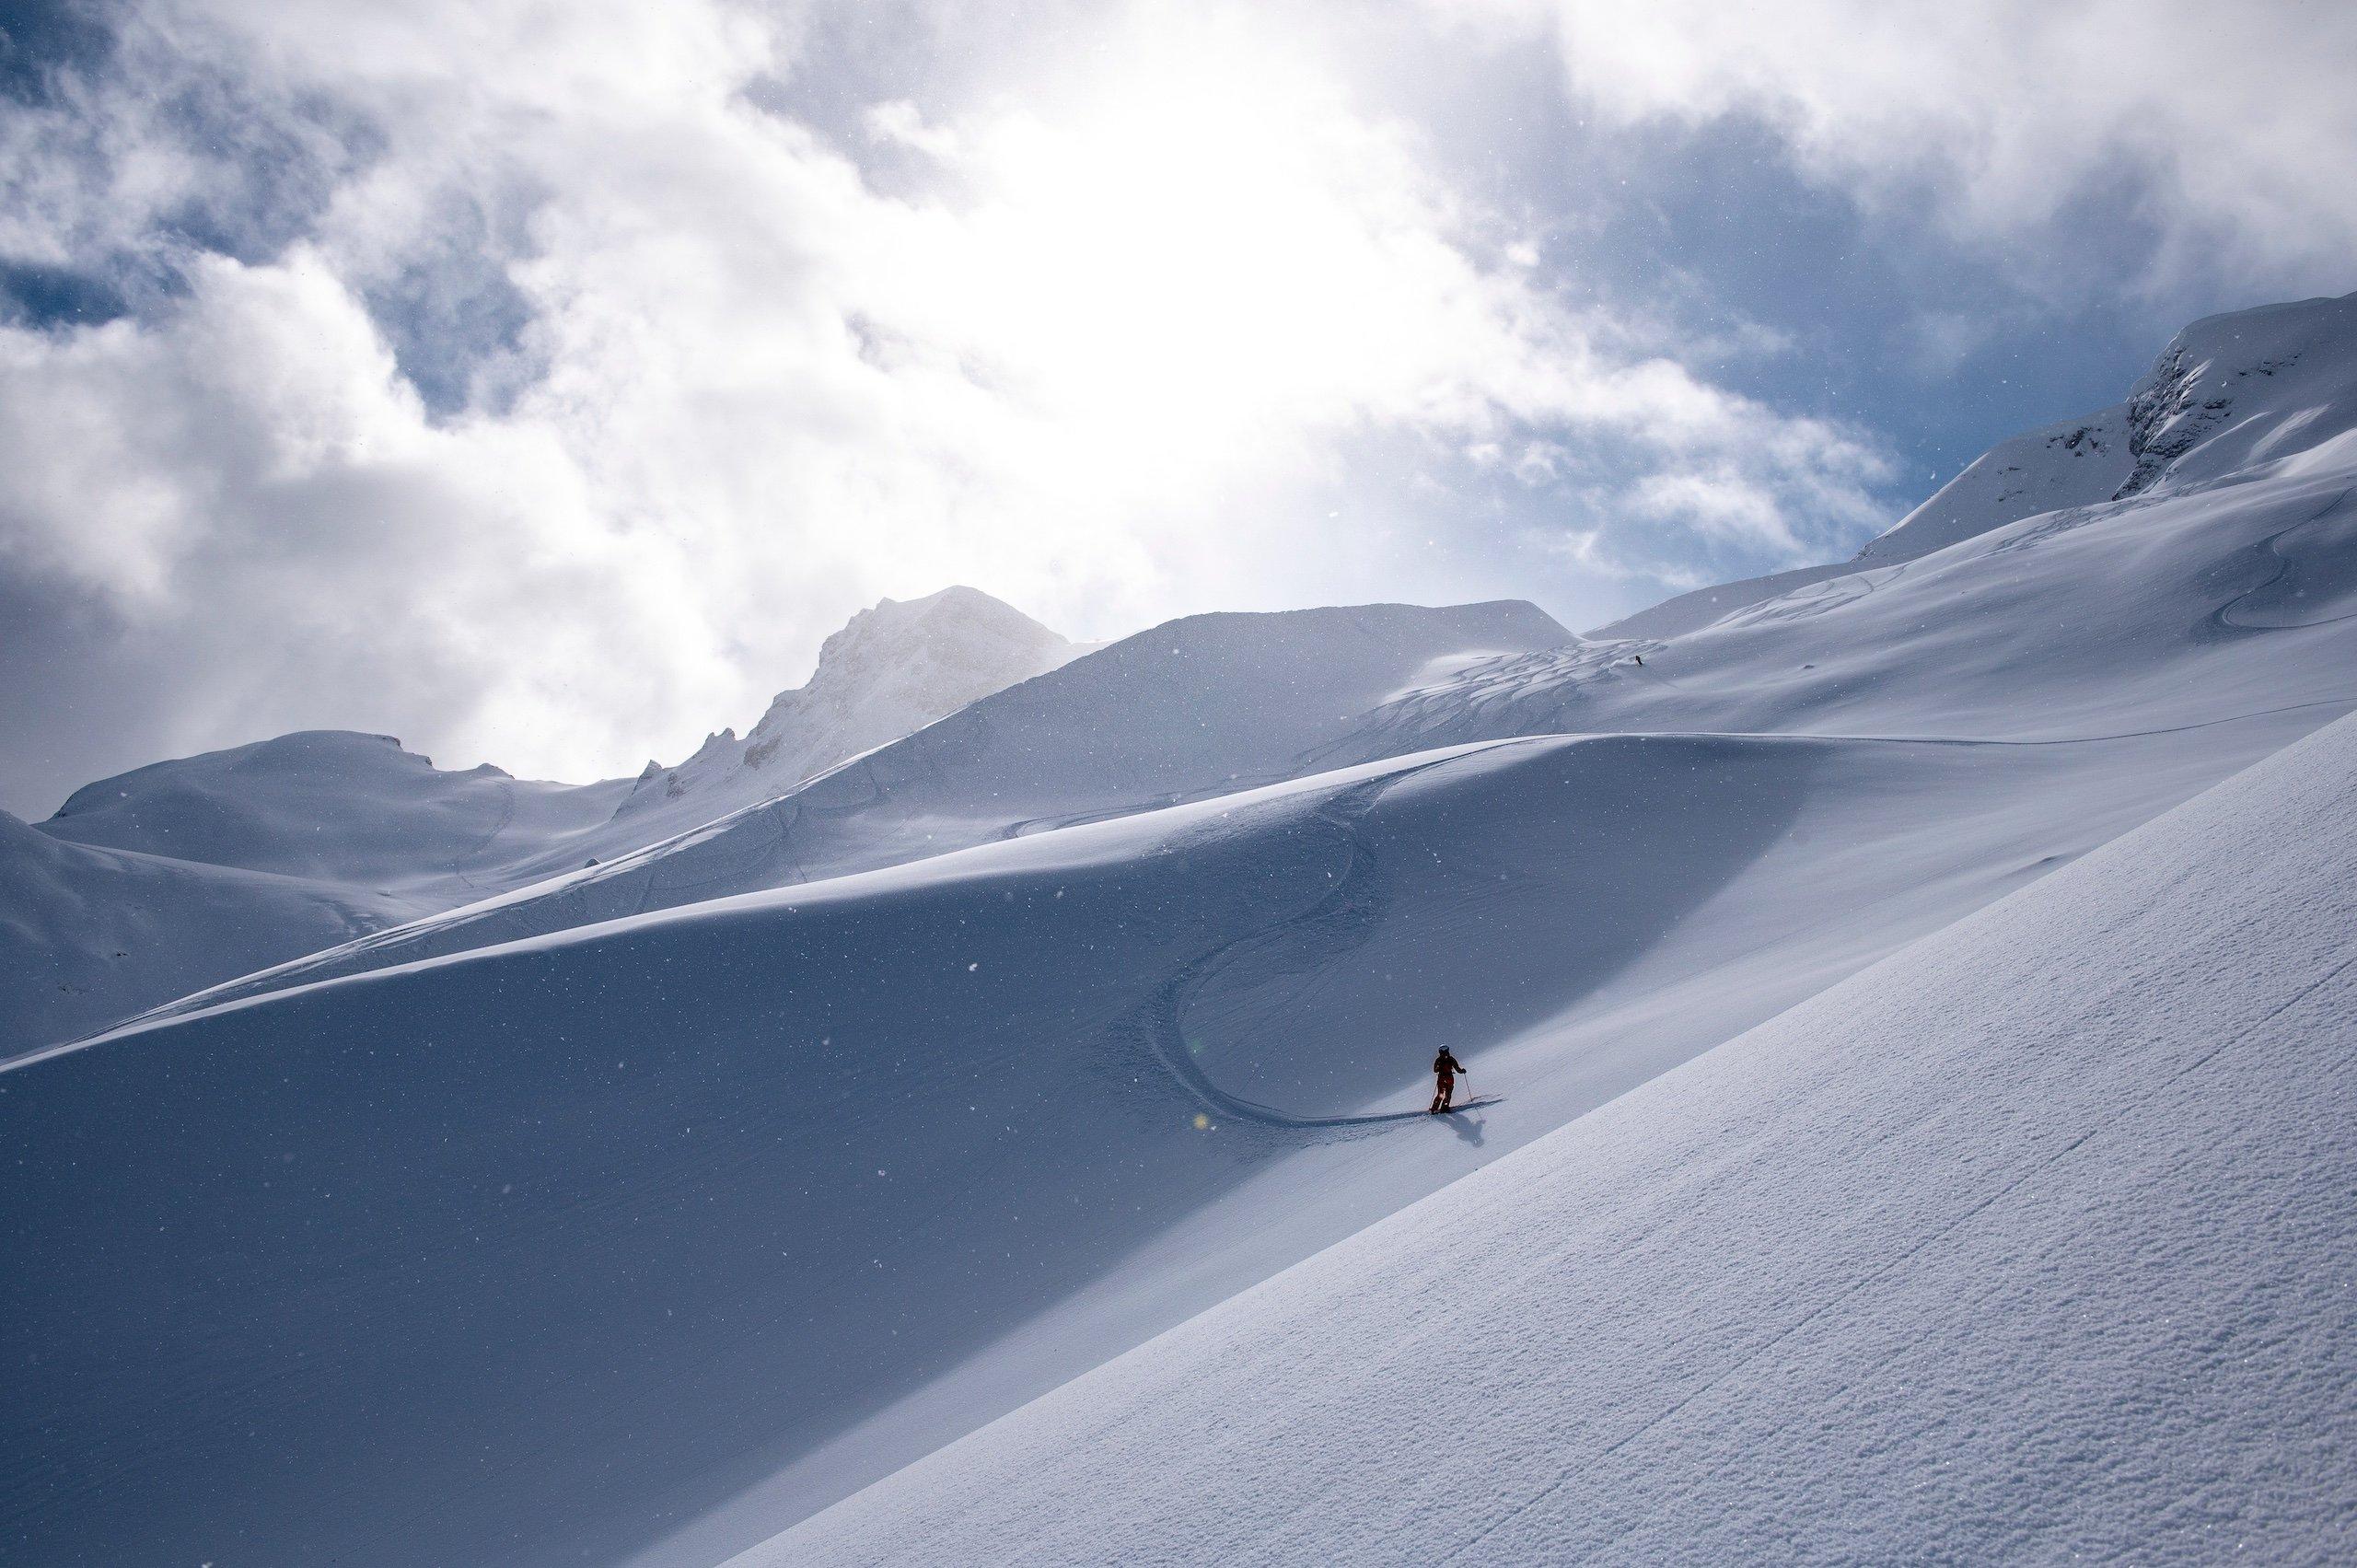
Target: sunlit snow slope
x=2077, y=462
x=2030, y=1243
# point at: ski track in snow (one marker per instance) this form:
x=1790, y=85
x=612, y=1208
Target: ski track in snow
x=1348, y=909
x=2224, y=616
x=490, y=836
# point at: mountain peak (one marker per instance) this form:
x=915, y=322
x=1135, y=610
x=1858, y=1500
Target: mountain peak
x=2249, y=386
x=890, y=669
x=965, y=624
x=2264, y=385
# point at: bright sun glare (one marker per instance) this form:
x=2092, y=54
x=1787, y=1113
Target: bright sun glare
x=1182, y=260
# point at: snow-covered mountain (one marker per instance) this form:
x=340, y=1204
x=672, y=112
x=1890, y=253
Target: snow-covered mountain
x=1921, y=634
x=643, y=1215
x=891, y=671
x=333, y=806
x=2075, y=462
x=306, y=841
x=169, y=878
x=2246, y=388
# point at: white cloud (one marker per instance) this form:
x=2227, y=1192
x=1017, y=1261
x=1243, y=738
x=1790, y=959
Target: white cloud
x=1107, y=358
x=1724, y=504
x=250, y=490
x=2212, y=122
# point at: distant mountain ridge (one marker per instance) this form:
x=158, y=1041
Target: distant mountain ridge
x=2266, y=383
x=364, y=836
x=1204, y=705
x=284, y=846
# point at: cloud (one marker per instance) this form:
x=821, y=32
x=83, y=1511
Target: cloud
x=570, y=372
x=1725, y=505
x=2207, y=124
x=250, y=492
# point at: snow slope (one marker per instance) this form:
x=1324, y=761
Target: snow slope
x=87, y=935
x=2075, y=462
x=558, y=1247
x=2211, y=591
x=2245, y=387
x=2031, y=1242
x=146, y=887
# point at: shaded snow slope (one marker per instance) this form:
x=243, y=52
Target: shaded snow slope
x=87, y=935
x=755, y=1200
x=2030, y=1242
x=161, y=881
x=636, y=1213
x=335, y=807
x=1560, y=992
x=1201, y=706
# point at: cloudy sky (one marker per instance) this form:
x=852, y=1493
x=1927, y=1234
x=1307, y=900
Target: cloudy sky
x=539, y=381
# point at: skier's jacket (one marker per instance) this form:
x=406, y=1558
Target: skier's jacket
x=1444, y=1065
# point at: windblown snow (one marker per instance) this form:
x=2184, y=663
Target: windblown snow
x=1907, y=1012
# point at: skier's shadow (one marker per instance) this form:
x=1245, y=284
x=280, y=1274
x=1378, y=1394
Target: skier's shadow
x=1467, y=1128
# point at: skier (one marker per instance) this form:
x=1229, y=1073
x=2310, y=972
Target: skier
x=1640, y=660
x=1445, y=1071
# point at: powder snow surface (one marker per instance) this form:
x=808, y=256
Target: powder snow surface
x=2036, y=1241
